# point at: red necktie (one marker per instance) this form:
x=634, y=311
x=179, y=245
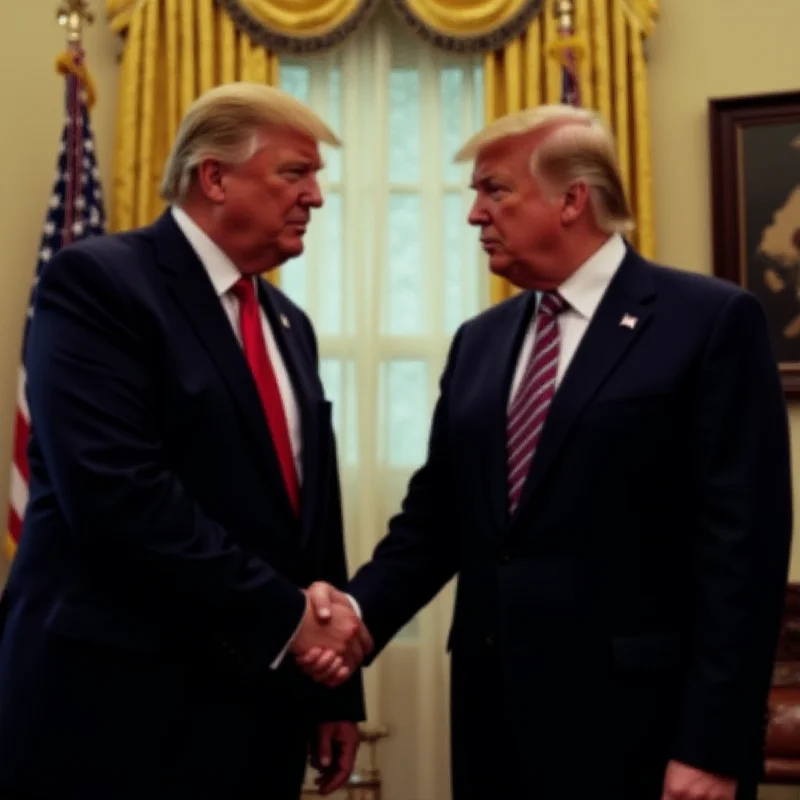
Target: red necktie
x=531, y=403
x=255, y=351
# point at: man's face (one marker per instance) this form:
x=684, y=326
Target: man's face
x=268, y=199
x=521, y=226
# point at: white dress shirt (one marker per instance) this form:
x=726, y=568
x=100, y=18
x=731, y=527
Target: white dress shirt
x=223, y=275
x=583, y=290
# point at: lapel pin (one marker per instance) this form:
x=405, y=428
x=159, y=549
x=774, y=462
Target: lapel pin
x=628, y=321
x=285, y=321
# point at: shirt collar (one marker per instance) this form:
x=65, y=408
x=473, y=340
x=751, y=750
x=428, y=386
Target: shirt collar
x=584, y=289
x=221, y=270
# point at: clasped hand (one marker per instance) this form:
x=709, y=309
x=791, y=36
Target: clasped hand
x=332, y=642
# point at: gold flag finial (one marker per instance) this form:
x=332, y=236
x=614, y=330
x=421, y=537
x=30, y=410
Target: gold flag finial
x=565, y=14
x=73, y=15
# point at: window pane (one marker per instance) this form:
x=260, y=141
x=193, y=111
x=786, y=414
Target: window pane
x=295, y=80
x=333, y=155
x=330, y=276
x=477, y=78
x=404, y=126
x=404, y=392
x=348, y=445
x=338, y=379
x=403, y=287
x=294, y=279
x=459, y=278
x=451, y=88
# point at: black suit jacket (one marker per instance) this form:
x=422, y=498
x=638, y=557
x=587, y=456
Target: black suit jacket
x=159, y=532
x=629, y=609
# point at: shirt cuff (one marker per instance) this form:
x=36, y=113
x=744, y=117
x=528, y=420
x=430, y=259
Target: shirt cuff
x=279, y=660
x=356, y=606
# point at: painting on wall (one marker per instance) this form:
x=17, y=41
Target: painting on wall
x=755, y=183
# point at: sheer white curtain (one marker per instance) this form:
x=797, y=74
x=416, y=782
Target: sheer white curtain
x=389, y=273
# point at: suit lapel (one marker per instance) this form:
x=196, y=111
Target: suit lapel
x=190, y=286
x=294, y=357
x=500, y=374
x=602, y=348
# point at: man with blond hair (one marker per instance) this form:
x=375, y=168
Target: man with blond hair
x=608, y=476
x=183, y=493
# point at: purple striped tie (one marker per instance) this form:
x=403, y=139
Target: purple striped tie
x=531, y=403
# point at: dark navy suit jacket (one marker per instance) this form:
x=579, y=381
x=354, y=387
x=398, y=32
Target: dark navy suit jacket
x=158, y=570
x=627, y=613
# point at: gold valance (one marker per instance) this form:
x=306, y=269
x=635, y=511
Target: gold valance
x=298, y=26
x=305, y=26
x=468, y=26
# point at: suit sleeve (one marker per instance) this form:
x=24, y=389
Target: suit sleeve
x=94, y=396
x=741, y=536
x=419, y=554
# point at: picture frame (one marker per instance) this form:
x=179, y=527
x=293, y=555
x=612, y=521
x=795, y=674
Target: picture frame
x=755, y=187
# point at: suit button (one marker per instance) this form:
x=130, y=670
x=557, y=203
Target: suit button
x=490, y=641
x=505, y=558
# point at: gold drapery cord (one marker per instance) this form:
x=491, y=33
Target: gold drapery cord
x=609, y=36
x=174, y=51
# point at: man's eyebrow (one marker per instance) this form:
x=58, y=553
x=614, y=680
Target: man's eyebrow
x=481, y=179
x=303, y=163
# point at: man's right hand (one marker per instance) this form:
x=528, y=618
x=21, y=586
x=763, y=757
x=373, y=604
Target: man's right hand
x=330, y=643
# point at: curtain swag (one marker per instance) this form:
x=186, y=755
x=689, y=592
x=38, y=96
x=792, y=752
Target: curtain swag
x=468, y=27
x=463, y=26
x=298, y=26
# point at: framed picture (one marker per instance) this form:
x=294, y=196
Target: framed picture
x=755, y=184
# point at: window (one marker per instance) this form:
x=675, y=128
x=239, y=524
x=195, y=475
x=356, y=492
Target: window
x=390, y=269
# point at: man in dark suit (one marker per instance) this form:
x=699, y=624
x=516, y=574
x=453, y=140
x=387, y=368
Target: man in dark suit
x=183, y=492
x=609, y=478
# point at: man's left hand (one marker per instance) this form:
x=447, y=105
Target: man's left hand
x=334, y=754
x=683, y=782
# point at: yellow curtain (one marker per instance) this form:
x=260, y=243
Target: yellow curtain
x=609, y=35
x=174, y=51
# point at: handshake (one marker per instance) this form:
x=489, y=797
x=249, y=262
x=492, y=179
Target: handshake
x=332, y=641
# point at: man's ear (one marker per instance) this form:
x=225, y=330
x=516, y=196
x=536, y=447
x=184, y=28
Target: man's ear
x=574, y=201
x=210, y=176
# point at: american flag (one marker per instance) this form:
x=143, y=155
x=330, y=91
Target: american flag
x=570, y=84
x=74, y=212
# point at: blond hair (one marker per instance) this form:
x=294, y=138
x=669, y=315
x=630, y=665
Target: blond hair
x=225, y=123
x=580, y=148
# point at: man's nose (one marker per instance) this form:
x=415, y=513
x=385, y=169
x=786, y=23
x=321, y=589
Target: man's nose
x=477, y=214
x=312, y=197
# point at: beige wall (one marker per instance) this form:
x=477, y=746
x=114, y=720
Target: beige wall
x=701, y=48
x=32, y=99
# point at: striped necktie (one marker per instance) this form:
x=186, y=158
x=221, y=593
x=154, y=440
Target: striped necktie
x=529, y=408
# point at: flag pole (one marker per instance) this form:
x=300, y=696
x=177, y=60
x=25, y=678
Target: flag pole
x=568, y=49
x=565, y=14
x=73, y=15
